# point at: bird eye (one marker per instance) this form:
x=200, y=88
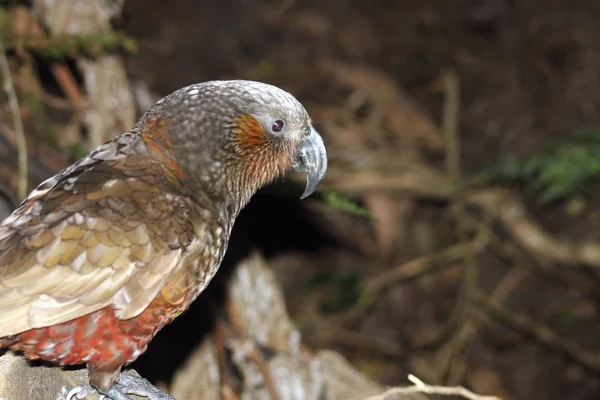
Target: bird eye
x=277, y=125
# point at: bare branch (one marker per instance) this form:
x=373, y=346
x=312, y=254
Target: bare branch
x=425, y=264
x=421, y=387
x=507, y=208
x=450, y=123
x=502, y=204
x=539, y=332
x=242, y=330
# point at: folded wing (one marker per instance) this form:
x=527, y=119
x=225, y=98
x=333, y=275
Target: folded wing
x=102, y=233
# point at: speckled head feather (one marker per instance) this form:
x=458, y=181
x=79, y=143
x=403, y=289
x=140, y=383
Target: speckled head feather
x=220, y=136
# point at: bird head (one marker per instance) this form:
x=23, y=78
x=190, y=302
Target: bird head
x=229, y=138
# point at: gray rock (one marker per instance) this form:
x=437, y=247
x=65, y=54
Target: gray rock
x=21, y=379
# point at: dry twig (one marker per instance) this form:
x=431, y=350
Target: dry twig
x=15, y=111
x=421, y=387
x=450, y=123
x=539, y=332
x=451, y=368
x=53, y=101
x=368, y=343
x=507, y=208
x=64, y=77
x=423, y=265
x=502, y=204
x=255, y=354
x=69, y=85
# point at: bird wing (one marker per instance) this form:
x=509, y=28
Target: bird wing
x=103, y=232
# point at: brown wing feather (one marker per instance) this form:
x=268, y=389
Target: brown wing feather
x=98, y=234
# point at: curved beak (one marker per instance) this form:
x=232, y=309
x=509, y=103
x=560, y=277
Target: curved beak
x=311, y=157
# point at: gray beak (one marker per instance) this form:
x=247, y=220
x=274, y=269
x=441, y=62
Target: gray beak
x=311, y=157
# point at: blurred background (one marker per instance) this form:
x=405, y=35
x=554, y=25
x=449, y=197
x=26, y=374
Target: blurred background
x=455, y=236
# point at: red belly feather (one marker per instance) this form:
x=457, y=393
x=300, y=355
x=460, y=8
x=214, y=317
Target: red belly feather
x=99, y=339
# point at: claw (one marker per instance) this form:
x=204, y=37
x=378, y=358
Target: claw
x=80, y=393
x=126, y=384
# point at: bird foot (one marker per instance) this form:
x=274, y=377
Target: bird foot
x=81, y=392
x=126, y=384
x=139, y=386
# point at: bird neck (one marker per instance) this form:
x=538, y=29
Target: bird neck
x=223, y=188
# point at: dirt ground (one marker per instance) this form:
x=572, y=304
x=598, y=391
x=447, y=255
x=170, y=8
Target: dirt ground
x=379, y=79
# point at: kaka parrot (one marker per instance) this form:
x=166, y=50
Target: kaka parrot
x=98, y=258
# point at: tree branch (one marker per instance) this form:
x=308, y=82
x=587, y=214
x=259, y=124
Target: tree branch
x=421, y=387
x=539, y=332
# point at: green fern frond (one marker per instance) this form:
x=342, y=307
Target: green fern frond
x=566, y=169
x=337, y=201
